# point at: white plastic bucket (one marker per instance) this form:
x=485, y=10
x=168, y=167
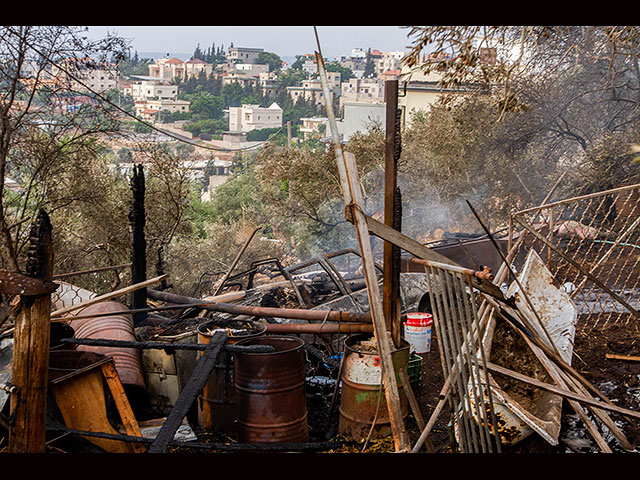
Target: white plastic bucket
x=417, y=331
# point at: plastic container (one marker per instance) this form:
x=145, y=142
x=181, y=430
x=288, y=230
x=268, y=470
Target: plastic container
x=414, y=370
x=417, y=331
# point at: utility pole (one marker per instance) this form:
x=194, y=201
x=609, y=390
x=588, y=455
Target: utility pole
x=392, y=213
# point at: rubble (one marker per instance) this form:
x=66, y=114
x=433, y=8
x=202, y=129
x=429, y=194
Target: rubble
x=507, y=365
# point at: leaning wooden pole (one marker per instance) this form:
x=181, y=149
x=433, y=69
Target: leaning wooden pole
x=31, y=348
x=354, y=202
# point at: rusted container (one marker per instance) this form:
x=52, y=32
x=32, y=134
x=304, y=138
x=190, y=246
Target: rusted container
x=128, y=361
x=166, y=373
x=361, y=378
x=270, y=389
x=217, y=403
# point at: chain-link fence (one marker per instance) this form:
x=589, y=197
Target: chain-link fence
x=77, y=287
x=591, y=245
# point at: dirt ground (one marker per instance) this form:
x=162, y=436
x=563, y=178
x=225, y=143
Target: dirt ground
x=618, y=380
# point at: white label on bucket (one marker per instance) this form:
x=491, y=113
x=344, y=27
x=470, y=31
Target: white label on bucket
x=419, y=338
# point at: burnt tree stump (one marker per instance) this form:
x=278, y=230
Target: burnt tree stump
x=31, y=347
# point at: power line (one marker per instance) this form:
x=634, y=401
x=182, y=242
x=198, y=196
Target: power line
x=109, y=102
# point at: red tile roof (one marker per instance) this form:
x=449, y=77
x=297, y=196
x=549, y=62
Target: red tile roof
x=174, y=60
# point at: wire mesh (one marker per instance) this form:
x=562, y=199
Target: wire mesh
x=77, y=287
x=594, y=236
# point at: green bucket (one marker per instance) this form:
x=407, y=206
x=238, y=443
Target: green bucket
x=414, y=369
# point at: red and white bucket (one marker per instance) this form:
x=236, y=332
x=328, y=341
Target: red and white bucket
x=417, y=331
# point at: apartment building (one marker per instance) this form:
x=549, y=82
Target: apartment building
x=251, y=68
x=243, y=54
x=422, y=90
x=268, y=84
x=311, y=89
x=239, y=77
x=360, y=117
x=363, y=90
x=253, y=117
x=171, y=68
x=85, y=75
x=148, y=88
x=147, y=109
x=390, y=61
x=313, y=127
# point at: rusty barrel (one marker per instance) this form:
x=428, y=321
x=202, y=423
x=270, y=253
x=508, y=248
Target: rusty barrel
x=114, y=326
x=361, y=378
x=270, y=389
x=217, y=403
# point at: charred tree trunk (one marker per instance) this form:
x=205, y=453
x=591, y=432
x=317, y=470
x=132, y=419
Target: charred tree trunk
x=31, y=348
x=139, y=244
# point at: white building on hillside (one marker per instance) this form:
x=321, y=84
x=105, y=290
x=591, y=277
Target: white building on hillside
x=150, y=88
x=254, y=117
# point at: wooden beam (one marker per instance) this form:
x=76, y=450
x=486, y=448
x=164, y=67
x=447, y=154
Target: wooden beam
x=31, y=340
x=560, y=391
x=137, y=220
x=408, y=244
x=375, y=304
x=392, y=215
x=629, y=358
x=352, y=194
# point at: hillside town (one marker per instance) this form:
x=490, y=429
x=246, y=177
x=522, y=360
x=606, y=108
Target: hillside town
x=357, y=92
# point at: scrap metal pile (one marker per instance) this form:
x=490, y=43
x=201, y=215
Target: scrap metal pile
x=316, y=356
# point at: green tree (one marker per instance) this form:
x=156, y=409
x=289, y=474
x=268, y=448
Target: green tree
x=206, y=105
x=232, y=94
x=369, y=66
x=271, y=59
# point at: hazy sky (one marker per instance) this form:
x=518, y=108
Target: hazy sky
x=285, y=41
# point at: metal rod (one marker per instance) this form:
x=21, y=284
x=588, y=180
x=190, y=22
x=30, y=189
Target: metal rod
x=474, y=328
x=290, y=313
x=93, y=270
x=582, y=197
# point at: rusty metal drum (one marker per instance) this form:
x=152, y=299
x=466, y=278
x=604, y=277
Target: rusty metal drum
x=271, y=391
x=217, y=403
x=361, y=379
x=114, y=326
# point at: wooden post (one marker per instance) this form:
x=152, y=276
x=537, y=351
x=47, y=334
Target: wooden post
x=31, y=348
x=138, y=243
x=392, y=215
x=375, y=304
x=352, y=193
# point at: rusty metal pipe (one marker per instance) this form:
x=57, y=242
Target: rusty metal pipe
x=314, y=328
x=290, y=313
x=484, y=274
